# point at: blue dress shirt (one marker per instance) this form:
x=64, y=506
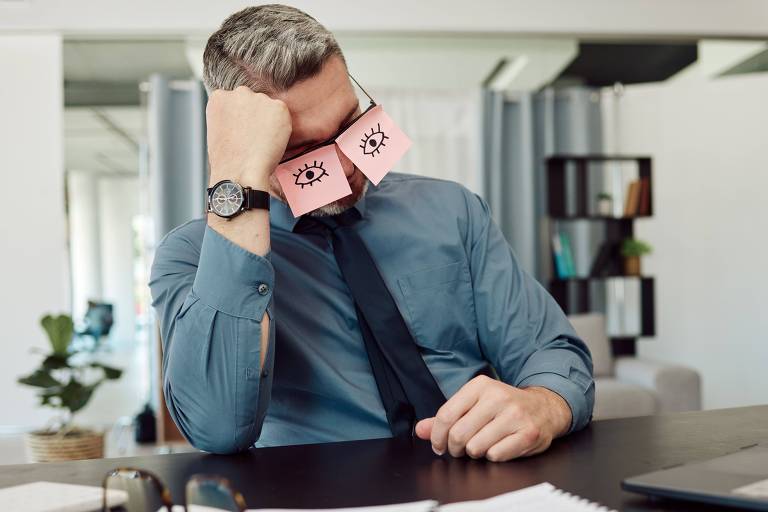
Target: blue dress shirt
x=455, y=280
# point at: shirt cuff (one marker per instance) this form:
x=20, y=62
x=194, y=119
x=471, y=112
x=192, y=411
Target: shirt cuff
x=576, y=389
x=231, y=279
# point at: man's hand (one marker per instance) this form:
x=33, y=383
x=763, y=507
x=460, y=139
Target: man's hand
x=247, y=135
x=491, y=419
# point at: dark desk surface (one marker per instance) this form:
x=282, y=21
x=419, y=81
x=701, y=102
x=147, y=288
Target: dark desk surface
x=590, y=463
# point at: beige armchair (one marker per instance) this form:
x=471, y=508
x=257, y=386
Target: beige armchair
x=631, y=386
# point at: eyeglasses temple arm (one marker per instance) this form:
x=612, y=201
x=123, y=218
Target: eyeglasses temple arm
x=361, y=88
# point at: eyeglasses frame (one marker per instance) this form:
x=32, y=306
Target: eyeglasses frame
x=338, y=134
x=165, y=493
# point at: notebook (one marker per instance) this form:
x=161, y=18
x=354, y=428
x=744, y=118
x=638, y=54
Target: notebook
x=538, y=498
x=56, y=497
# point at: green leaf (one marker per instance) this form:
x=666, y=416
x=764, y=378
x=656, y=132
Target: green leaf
x=60, y=330
x=110, y=372
x=55, y=362
x=75, y=396
x=40, y=378
x=47, y=396
x=634, y=247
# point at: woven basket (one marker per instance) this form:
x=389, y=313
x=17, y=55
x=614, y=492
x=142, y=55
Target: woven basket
x=74, y=445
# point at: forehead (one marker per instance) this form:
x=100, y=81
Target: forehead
x=317, y=104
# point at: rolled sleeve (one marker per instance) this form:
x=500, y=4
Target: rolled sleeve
x=557, y=371
x=522, y=331
x=231, y=279
x=211, y=296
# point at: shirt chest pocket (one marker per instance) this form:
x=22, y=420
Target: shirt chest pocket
x=439, y=305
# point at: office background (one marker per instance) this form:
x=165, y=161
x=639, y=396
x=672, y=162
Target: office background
x=103, y=114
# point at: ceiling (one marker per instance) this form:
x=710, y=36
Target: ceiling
x=102, y=117
x=102, y=78
x=604, y=64
x=102, y=140
x=103, y=120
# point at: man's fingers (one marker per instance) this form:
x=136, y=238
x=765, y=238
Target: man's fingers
x=468, y=425
x=493, y=432
x=508, y=448
x=424, y=428
x=452, y=410
x=526, y=441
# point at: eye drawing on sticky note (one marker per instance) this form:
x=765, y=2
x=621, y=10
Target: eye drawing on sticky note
x=310, y=174
x=372, y=142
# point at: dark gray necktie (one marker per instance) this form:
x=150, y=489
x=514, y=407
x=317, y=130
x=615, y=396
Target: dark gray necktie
x=407, y=388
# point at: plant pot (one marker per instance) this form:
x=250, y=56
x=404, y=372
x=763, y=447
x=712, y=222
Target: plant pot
x=44, y=446
x=605, y=207
x=632, y=265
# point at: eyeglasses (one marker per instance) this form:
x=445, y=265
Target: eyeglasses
x=346, y=127
x=138, y=490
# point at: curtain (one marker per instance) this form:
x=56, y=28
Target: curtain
x=444, y=127
x=177, y=151
x=519, y=130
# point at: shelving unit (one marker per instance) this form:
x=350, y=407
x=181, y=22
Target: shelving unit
x=574, y=294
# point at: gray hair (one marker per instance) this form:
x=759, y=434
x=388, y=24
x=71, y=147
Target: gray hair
x=266, y=48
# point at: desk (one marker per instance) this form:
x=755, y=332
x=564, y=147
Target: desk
x=590, y=463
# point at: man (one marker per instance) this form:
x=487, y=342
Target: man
x=269, y=338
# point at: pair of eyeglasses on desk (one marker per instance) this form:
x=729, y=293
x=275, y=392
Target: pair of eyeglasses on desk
x=138, y=490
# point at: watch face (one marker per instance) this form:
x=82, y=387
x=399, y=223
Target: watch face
x=226, y=198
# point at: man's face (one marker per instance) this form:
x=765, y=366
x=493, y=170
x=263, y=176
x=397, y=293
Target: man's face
x=320, y=106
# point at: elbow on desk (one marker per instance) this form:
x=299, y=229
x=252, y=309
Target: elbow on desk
x=209, y=429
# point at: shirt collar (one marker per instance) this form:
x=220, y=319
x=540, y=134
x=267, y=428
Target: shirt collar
x=280, y=215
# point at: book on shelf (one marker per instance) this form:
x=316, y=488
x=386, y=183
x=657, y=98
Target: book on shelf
x=565, y=243
x=644, y=203
x=633, y=199
x=605, y=258
x=559, y=259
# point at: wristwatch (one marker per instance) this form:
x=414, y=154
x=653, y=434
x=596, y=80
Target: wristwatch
x=228, y=199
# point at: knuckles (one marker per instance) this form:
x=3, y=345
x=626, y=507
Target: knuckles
x=531, y=435
x=494, y=454
x=474, y=451
x=457, y=437
x=445, y=415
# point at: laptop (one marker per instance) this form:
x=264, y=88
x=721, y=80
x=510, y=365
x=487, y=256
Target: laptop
x=737, y=480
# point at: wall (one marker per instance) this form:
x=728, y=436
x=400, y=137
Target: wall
x=33, y=252
x=102, y=208
x=708, y=140
x=84, y=246
x=118, y=205
x=592, y=17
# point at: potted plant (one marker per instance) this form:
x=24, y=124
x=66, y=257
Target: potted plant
x=66, y=380
x=632, y=249
x=605, y=204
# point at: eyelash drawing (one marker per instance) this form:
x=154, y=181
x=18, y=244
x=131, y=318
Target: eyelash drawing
x=372, y=142
x=310, y=173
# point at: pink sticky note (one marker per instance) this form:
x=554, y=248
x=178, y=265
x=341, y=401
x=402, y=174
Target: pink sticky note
x=313, y=180
x=374, y=143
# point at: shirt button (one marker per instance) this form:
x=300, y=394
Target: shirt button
x=263, y=289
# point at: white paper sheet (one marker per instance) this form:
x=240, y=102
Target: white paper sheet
x=57, y=497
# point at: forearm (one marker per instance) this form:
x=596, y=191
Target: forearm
x=522, y=330
x=217, y=328
x=216, y=387
x=215, y=313
x=558, y=412
x=249, y=229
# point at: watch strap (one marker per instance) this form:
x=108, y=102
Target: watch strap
x=256, y=199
